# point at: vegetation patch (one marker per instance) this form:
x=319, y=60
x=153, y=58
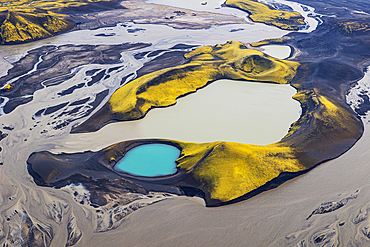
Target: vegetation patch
x=24, y=20
x=259, y=12
x=205, y=65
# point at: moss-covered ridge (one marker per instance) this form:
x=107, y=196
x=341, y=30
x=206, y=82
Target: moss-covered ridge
x=206, y=64
x=259, y=12
x=24, y=20
x=23, y=26
x=49, y=5
x=226, y=170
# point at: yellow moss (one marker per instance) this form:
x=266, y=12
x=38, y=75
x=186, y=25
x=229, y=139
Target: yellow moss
x=230, y=170
x=355, y=27
x=268, y=42
x=231, y=60
x=53, y=5
x=23, y=26
x=8, y=87
x=332, y=116
x=319, y=108
x=28, y=20
x=260, y=12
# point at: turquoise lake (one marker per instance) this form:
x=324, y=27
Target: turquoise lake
x=149, y=160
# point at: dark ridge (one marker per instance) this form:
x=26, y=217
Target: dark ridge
x=53, y=109
x=92, y=7
x=192, y=191
x=36, y=177
x=140, y=55
x=105, y=35
x=183, y=46
x=71, y=89
x=80, y=102
x=364, y=106
x=57, y=80
x=2, y=135
x=39, y=112
x=114, y=68
x=8, y=128
x=25, y=64
x=126, y=77
x=166, y=60
x=96, y=78
x=14, y=103
x=91, y=72
x=236, y=30
x=74, y=110
x=98, y=99
x=106, y=77
x=155, y=53
x=62, y=125
x=336, y=7
x=134, y=30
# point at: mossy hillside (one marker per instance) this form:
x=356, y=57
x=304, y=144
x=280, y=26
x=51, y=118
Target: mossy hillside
x=57, y=6
x=206, y=64
x=19, y=27
x=325, y=129
x=259, y=12
x=24, y=21
x=228, y=170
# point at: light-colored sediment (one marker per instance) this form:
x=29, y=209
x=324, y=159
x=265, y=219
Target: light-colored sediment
x=277, y=51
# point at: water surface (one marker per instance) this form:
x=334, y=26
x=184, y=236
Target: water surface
x=149, y=160
x=277, y=51
x=226, y=110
